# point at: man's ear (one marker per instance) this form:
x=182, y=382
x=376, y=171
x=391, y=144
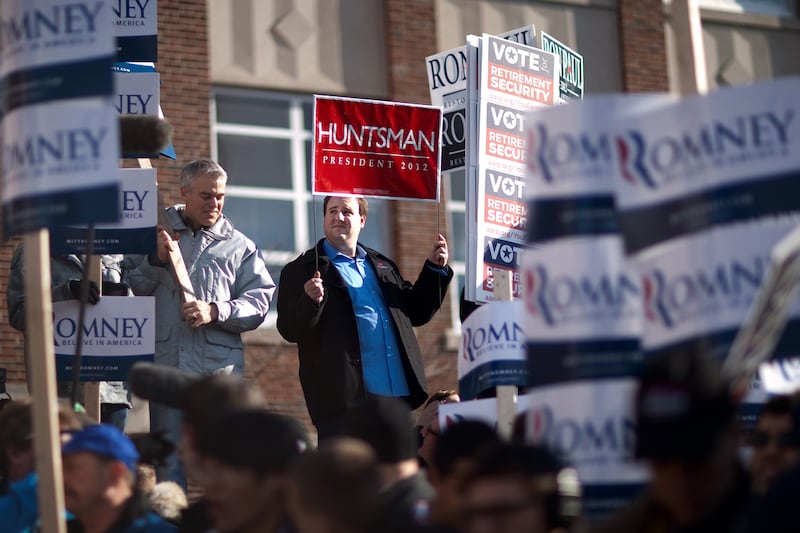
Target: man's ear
x=117, y=471
x=363, y=220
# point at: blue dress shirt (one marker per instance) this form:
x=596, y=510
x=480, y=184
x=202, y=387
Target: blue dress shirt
x=380, y=352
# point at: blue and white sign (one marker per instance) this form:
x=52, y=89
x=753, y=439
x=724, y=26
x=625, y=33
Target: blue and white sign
x=705, y=191
x=592, y=425
x=59, y=130
x=572, y=165
x=137, y=91
x=117, y=332
x=60, y=165
x=135, y=233
x=54, y=49
x=583, y=310
x=731, y=156
x=492, y=350
x=781, y=376
x=135, y=26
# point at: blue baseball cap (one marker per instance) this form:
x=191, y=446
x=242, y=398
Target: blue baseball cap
x=104, y=440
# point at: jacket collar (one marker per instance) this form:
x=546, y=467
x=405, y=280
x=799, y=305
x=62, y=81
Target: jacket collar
x=221, y=230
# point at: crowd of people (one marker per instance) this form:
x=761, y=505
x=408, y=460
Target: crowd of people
x=381, y=458
x=391, y=470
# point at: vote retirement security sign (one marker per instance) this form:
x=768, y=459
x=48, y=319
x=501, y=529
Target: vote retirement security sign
x=379, y=149
x=117, y=332
x=447, y=82
x=59, y=129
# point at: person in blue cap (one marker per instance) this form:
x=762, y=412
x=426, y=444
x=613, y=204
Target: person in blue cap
x=100, y=484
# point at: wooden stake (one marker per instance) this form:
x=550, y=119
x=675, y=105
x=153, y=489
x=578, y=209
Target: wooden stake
x=175, y=257
x=93, y=269
x=506, y=394
x=39, y=336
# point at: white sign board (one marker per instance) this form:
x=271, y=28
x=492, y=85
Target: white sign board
x=492, y=349
x=447, y=82
x=135, y=24
x=60, y=141
x=117, y=332
x=135, y=233
x=513, y=79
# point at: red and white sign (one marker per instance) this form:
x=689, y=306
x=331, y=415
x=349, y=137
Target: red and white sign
x=378, y=149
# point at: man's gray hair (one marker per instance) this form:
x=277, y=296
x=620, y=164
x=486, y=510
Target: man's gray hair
x=200, y=167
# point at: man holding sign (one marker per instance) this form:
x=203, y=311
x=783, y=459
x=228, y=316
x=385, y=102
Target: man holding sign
x=230, y=285
x=352, y=315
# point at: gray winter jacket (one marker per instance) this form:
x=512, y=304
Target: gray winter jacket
x=226, y=269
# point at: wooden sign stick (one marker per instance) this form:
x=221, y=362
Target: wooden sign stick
x=506, y=394
x=39, y=336
x=175, y=257
x=93, y=269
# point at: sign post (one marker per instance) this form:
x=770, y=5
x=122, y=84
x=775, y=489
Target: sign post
x=506, y=394
x=56, y=95
x=39, y=335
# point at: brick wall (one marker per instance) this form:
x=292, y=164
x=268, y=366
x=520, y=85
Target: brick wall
x=410, y=37
x=642, y=46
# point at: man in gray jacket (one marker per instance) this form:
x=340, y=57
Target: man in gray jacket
x=230, y=281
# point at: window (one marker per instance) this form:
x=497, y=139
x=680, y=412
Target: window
x=455, y=194
x=264, y=141
x=780, y=8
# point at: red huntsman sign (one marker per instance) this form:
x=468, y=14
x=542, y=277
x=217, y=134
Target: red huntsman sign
x=378, y=149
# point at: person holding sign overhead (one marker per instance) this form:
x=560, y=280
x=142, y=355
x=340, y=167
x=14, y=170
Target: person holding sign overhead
x=352, y=316
x=230, y=290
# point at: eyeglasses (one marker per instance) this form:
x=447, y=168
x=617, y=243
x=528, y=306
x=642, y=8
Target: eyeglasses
x=783, y=440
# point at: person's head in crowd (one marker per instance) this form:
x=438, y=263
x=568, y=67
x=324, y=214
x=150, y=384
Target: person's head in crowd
x=99, y=464
x=428, y=422
x=202, y=190
x=207, y=400
x=774, y=446
x=17, y=457
x=454, y=457
x=686, y=432
x=515, y=488
x=386, y=425
x=244, y=458
x=336, y=488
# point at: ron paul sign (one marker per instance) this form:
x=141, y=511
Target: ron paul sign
x=378, y=149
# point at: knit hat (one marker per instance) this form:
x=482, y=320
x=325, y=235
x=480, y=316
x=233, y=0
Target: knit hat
x=104, y=440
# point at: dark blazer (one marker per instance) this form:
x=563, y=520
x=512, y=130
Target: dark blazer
x=327, y=336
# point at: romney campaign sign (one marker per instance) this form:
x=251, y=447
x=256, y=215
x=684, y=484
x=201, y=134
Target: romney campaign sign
x=117, y=332
x=492, y=350
x=378, y=149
